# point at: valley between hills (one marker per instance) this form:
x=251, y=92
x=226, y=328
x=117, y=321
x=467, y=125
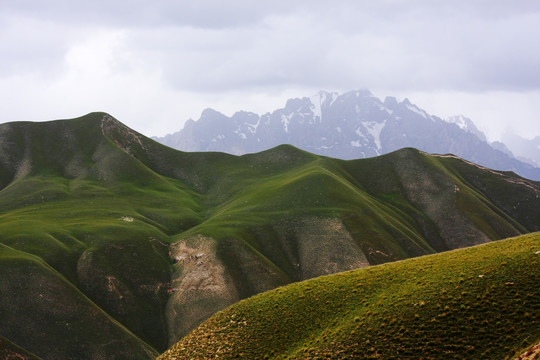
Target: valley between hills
x=113, y=246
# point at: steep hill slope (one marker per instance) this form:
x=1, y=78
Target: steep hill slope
x=118, y=246
x=477, y=303
x=82, y=223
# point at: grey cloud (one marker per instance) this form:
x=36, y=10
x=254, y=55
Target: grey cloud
x=394, y=45
x=215, y=47
x=32, y=46
x=135, y=13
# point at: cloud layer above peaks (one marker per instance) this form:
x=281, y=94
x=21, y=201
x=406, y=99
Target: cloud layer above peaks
x=168, y=60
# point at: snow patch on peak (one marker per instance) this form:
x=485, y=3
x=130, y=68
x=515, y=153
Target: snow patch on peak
x=285, y=120
x=459, y=120
x=466, y=124
x=384, y=108
x=374, y=129
x=321, y=99
x=359, y=132
x=316, y=101
x=253, y=127
x=358, y=109
x=241, y=134
x=324, y=147
x=417, y=110
x=218, y=138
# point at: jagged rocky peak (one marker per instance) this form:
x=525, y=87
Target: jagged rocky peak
x=390, y=101
x=321, y=100
x=211, y=114
x=352, y=125
x=297, y=104
x=244, y=114
x=406, y=101
x=324, y=97
x=467, y=125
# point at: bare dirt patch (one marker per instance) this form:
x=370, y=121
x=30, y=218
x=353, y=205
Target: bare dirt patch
x=200, y=285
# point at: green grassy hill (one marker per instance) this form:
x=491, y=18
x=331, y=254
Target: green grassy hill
x=114, y=246
x=481, y=302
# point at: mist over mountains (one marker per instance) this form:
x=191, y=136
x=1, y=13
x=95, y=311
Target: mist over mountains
x=524, y=149
x=352, y=125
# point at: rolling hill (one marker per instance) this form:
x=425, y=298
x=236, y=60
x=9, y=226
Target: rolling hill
x=115, y=246
x=481, y=302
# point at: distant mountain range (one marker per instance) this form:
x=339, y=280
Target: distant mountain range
x=352, y=125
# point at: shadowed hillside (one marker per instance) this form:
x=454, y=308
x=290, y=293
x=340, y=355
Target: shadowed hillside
x=119, y=246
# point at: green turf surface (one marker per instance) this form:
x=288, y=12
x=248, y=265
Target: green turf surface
x=138, y=233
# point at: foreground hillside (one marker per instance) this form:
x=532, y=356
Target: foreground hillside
x=114, y=246
x=477, y=303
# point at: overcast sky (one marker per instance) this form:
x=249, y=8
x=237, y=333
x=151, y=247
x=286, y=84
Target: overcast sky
x=153, y=64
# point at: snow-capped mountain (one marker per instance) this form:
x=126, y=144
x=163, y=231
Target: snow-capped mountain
x=352, y=125
x=467, y=125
